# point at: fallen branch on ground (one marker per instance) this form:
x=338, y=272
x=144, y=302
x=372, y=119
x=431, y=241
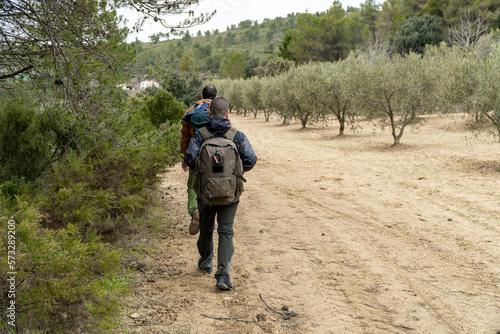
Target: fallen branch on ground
x=222, y=318
x=269, y=307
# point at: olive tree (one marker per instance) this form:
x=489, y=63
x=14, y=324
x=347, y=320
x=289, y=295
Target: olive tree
x=232, y=91
x=459, y=79
x=335, y=89
x=395, y=91
x=275, y=98
x=488, y=88
x=271, y=97
x=252, y=95
x=295, y=88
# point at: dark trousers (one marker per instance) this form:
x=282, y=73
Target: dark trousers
x=225, y=219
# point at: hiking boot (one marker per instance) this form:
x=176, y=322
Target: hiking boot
x=207, y=270
x=194, y=226
x=223, y=282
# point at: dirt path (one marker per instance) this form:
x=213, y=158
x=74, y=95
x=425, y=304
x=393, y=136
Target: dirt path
x=354, y=236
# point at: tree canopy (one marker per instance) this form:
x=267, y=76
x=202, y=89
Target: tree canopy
x=416, y=32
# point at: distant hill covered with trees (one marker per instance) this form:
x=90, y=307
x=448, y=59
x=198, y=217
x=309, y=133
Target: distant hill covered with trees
x=244, y=50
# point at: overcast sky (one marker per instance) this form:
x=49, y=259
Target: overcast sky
x=234, y=11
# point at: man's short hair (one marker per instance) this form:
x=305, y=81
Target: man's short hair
x=219, y=107
x=209, y=92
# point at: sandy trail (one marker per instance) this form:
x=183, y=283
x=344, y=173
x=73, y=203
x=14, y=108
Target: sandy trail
x=356, y=237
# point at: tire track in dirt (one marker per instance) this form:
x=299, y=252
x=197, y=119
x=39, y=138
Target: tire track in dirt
x=372, y=268
x=443, y=311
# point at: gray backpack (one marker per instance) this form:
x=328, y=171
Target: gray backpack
x=219, y=170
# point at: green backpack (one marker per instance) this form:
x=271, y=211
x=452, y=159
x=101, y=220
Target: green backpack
x=219, y=170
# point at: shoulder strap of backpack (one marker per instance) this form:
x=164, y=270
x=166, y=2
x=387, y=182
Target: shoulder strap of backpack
x=231, y=133
x=205, y=133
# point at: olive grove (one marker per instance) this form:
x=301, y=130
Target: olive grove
x=390, y=90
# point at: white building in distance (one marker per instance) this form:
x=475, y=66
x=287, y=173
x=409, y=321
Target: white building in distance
x=149, y=83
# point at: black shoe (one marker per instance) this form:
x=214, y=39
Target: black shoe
x=206, y=270
x=223, y=282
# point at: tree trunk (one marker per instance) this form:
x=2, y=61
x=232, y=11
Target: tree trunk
x=304, y=120
x=341, y=123
x=393, y=130
x=496, y=123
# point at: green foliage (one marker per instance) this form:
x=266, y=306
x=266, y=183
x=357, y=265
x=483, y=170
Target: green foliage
x=252, y=34
x=436, y=7
x=486, y=9
x=232, y=91
x=369, y=14
x=245, y=24
x=186, y=87
x=390, y=16
x=392, y=91
x=296, y=85
x=233, y=66
x=209, y=50
x=275, y=67
x=79, y=161
x=487, y=91
x=284, y=52
x=269, y=36
x=252, y=99
x=97, y=192
x=24, y=141
x=154, y=38
x=10, y=187
x=327, y=36
x=163, y=107
x=337, y=89
x=412, y=7
x=187, y=37
x=415, y=33
x=70, y=274
x=187, y=62
x=67, y=282
x=271, y=98
x=399, y=90
x=318, y=38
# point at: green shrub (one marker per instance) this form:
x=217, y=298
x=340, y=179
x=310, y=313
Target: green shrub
x=101, y=190
x=415, y=33
x=24, y=141
x=186, y=87
x=163, y=107
x=62, y=282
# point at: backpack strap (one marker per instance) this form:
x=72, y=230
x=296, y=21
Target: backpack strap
x=231, y=133
x=205, y=133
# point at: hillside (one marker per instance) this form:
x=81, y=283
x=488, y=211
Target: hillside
x=257, y=42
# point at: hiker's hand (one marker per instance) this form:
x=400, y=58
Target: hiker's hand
x=184, y=166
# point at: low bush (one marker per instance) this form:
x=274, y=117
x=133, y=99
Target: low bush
x=70, y=218
x=63, y=281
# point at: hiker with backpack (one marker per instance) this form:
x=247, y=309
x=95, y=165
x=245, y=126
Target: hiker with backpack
x=195, y=118
x=219, y=154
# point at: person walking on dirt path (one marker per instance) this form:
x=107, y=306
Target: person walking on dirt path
x=219, y=126
x=195, y=118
